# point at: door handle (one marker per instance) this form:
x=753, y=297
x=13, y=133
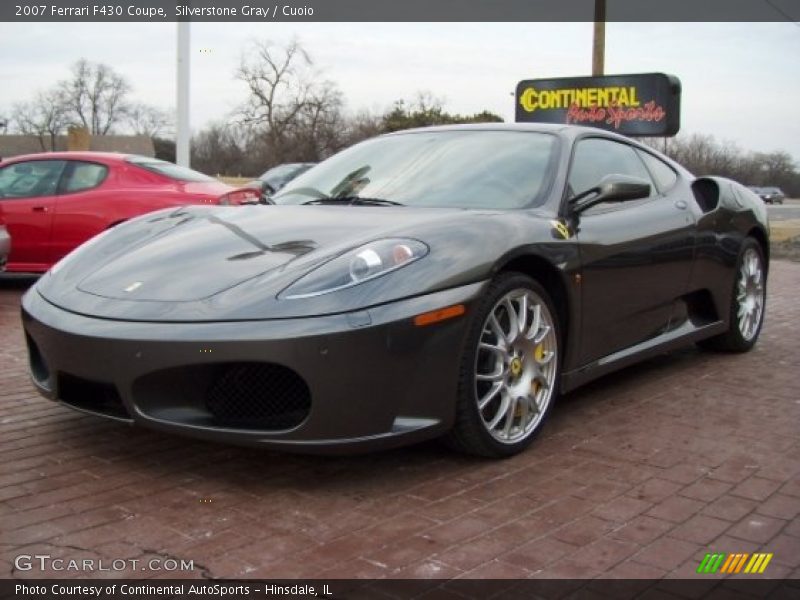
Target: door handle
x=39, y=209
x=681, y=204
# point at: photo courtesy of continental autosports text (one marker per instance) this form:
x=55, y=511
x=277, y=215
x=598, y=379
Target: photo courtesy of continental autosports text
x=179, y=590
x=376, y=299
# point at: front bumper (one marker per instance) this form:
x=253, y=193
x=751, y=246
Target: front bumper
x=374, y=378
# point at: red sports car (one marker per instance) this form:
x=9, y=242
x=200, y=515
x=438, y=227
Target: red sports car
x=53, y=202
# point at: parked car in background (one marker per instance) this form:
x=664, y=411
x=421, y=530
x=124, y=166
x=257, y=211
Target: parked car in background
x=53, y=202
x=772, y=195
x=5, y=245
x=274, y=179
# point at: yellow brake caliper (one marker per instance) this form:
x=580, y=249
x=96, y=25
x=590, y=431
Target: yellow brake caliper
x=538, y=354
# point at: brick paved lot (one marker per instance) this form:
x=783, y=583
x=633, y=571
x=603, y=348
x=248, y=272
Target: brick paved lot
x=637, y=475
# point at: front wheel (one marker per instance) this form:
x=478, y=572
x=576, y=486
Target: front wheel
x=746, y=314
x=509, y=369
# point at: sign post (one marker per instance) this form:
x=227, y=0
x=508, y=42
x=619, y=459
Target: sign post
x=183, y=131
x=646, y=104
x=599, y=41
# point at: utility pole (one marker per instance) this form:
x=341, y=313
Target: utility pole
x=183, y=131
x=599, y=45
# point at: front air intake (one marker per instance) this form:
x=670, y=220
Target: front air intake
x=94, y=396
x=261, y=396
x=37, y=364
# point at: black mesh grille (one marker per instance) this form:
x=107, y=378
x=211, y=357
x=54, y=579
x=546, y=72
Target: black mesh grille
x=258, y=396
x=102, y=398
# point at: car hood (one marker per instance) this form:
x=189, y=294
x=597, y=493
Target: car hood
x=203, y=254
x=214, y=263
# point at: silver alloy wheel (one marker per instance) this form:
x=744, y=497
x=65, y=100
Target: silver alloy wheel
x=515, y=366
x=750, y=294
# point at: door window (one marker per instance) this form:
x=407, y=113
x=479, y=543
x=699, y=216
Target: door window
x=595, y=158
x=30, y=179
x=664, y=175
x=84, y=176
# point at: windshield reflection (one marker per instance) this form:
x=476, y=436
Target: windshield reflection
x=295, y=247
x=456, y=168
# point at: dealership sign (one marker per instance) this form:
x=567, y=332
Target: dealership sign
x=646, y=104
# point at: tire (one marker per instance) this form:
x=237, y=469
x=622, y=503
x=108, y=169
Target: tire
x=513, y=376
x=748, y=297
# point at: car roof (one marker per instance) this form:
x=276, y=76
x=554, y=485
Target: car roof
x=71, y=155
x=568, y=131
x=289, y=164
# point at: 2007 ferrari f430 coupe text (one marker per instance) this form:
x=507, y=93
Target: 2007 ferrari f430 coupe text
x=436, y=282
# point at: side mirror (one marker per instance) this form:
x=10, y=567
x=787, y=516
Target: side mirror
x=266, y=193
x=612, y=188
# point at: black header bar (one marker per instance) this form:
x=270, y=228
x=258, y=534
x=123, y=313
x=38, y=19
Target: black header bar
x=394, y=10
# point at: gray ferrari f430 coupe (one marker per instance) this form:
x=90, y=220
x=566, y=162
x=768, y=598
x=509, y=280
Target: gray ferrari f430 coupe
x=446, y=281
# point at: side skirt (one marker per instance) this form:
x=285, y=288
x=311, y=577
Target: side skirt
x=682, y=336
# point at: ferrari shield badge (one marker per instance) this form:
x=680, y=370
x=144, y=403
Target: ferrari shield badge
x=561, y=230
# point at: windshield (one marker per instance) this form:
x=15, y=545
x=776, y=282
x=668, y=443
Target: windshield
x=168, y=169
x=460, y=169
x=283, y=171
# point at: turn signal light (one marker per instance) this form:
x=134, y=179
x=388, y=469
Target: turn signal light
x=441, y=314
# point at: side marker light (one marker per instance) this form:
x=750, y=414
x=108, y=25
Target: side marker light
x=441, y=314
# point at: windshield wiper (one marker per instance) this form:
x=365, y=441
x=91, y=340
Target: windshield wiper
x=355, y=201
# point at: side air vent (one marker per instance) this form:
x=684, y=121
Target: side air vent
x=706, y=192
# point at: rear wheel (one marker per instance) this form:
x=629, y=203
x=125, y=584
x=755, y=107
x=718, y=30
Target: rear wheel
x=509, y=370
x=747, y=302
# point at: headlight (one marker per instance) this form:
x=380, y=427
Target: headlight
x=356, y=266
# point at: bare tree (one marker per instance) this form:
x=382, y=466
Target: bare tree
x=774, y=167
x=360, y=126
x=95, y=96
x=277, y=82
x=703, y=155
x=320, y=124
x=46, y=117
x=296, y=114
x=148, y=120
x=221, y=148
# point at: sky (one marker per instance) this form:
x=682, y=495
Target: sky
x=741, y=81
